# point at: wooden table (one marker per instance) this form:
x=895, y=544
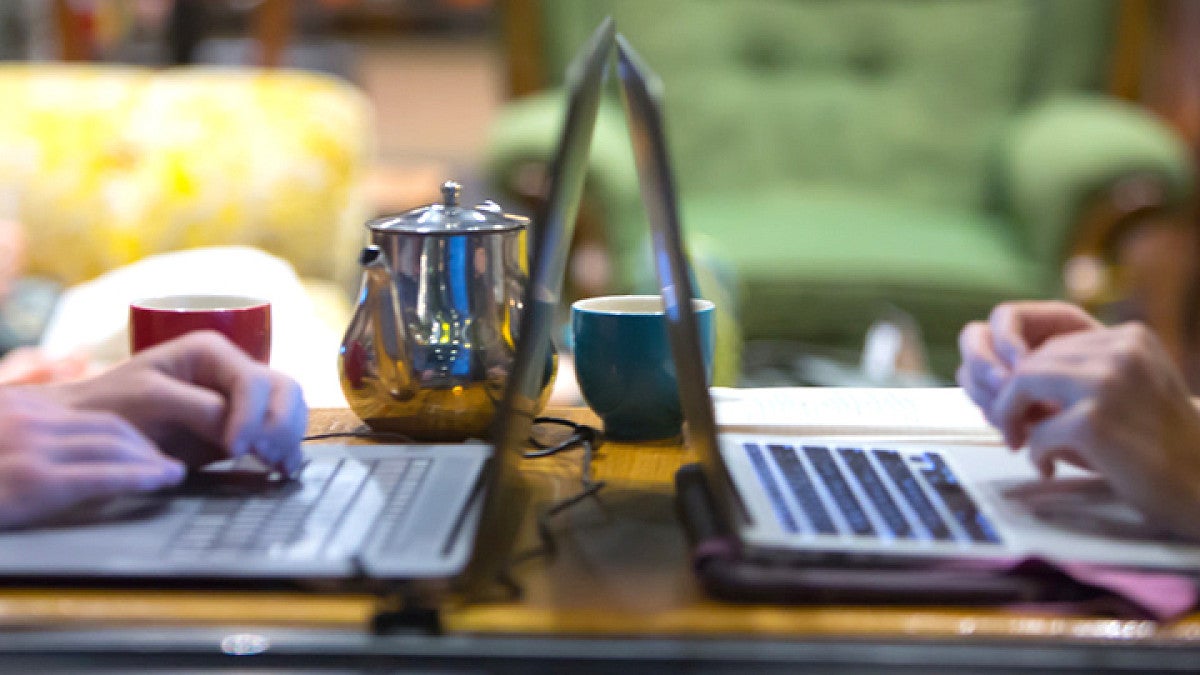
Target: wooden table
x=621, y=572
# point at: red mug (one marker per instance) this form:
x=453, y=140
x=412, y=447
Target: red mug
x=246, y=321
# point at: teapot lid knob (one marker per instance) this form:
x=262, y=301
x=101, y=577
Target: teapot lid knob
x=448, y=216
x=450, y=192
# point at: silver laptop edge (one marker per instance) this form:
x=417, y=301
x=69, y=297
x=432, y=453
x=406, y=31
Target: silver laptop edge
x=641, y=91
x=553, y=228
x=866, y=500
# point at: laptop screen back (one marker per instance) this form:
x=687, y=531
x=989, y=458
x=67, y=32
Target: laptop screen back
x=552, y=230
x=641, y=92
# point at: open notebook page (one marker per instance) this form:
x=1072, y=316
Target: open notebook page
x=942, y=412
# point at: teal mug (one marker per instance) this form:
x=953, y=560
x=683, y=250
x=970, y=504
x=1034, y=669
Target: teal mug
x=624, y=365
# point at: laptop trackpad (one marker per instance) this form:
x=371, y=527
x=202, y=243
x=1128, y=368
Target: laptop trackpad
x=1083, y=505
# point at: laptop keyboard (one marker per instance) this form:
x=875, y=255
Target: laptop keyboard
x=304, y=520
x=873, y=492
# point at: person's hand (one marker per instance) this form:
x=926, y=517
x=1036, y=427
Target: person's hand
x=201, y=399
x=13, y=243
x=53, y=458
x=30, y=365
x=992, y=350
x=1119, y=407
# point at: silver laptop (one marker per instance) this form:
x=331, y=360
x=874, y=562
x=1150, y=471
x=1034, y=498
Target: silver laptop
x=357, y=512
x=869, y=500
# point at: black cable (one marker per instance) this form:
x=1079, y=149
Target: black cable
x=582, y=436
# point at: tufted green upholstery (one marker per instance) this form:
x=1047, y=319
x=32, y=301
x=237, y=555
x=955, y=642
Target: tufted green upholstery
x=930, y=154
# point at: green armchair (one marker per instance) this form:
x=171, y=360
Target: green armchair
x=843, y=158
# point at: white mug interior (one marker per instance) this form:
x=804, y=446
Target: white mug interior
x=199, y=302
x=633, y=304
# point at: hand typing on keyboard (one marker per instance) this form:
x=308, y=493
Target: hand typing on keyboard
x=1111, y=399
x=135, y=428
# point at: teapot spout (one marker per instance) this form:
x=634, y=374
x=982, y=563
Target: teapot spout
x=373, y=359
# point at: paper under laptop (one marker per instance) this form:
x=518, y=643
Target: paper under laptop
x=357, y=513
x=897, y=498
x=935, y=413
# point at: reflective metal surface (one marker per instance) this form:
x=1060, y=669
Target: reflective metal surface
x=431, y=343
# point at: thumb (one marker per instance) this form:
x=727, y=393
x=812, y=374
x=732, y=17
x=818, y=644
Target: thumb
x=1008, y=335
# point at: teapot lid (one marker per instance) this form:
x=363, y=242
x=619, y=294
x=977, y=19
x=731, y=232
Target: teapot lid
x=448, y=217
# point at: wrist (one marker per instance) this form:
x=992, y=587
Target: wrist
x=59, y=393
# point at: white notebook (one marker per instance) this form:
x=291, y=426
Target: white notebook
x=942, y=413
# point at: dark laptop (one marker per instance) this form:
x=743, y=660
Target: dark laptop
x=865, y=500
x=357, y=512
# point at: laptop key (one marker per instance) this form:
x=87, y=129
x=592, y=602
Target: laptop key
x=843, y=495
x=371, y=504
x=772, y=488
x=964, y=509
x=229, y=524
x=323, y=519
x=285, y=523
x=226, y=525
x=399, y=503
x=877, y=492
x=893, y=464
x=802, y=488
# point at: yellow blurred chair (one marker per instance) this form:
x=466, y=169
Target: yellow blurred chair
x=104, y=165
x=109, y=164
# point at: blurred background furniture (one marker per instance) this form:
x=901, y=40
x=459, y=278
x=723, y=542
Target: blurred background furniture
x=105, y=166
x=114, y=158
x=108, y=164
x=322, y=36
x=1171, y=88
x=849, y=159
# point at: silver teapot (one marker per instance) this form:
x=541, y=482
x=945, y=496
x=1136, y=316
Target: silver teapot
x=429, y=348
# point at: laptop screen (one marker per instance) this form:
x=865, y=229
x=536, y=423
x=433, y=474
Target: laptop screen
x=641, y=93
x=550, y=240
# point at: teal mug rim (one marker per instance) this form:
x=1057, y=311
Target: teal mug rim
x=583, y=305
